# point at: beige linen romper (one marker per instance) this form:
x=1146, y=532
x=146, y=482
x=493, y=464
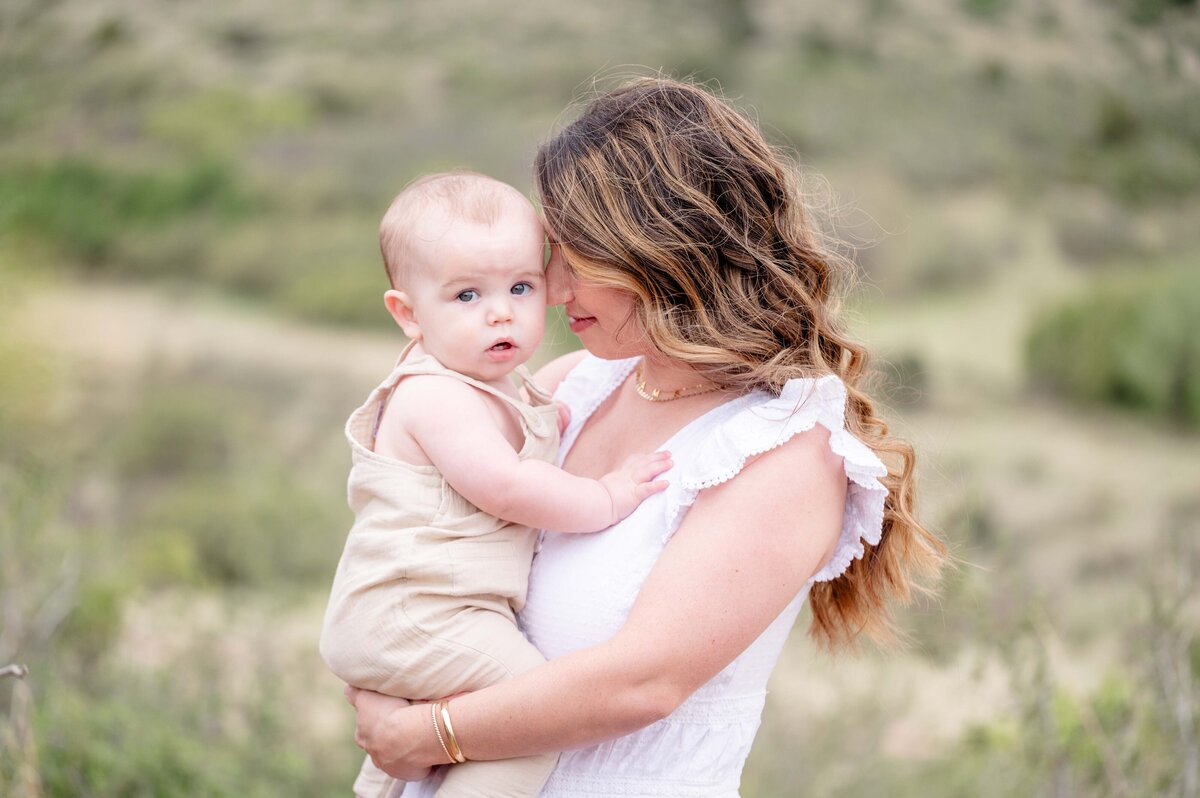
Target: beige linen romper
x=424, y=599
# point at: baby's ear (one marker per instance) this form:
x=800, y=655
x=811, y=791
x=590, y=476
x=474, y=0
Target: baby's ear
x=400, y=306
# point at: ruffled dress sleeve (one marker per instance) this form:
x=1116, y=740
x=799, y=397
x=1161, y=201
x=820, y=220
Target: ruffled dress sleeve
x=764, y=422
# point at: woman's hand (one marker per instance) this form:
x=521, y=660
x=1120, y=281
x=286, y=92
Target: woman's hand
x=389, y=730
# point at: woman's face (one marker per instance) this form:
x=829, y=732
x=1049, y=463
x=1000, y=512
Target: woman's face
x=602, y=317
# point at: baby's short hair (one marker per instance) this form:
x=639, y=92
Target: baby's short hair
x=471, y=196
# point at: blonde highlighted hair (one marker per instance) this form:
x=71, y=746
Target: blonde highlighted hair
x=664, y=190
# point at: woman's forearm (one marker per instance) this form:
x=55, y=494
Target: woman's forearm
x=576, y=700
x=571, y=702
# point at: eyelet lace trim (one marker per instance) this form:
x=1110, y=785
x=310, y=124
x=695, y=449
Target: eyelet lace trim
x=771, y=422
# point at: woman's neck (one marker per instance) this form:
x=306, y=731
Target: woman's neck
x=670, y=375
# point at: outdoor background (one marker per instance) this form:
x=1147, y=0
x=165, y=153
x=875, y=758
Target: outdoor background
x=190, y=306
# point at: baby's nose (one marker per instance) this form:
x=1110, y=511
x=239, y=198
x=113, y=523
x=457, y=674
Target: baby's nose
x=499, y=311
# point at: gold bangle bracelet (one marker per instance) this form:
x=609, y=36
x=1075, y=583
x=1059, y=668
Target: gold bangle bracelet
x=455, y=749
x=438, y=731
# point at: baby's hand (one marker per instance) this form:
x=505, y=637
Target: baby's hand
x=634, y=481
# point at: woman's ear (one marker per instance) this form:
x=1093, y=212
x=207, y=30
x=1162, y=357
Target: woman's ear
x=400, y=306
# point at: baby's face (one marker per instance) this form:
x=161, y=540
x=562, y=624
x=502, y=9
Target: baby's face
x=479, y=296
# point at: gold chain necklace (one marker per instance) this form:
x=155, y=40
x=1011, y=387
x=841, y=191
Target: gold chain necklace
x=657, y=395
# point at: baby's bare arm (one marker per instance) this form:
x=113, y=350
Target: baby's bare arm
x=454, y=427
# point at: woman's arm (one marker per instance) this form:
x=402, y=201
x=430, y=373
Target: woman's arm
x=743, y=552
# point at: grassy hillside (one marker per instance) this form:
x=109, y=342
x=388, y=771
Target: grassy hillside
x=189, y=307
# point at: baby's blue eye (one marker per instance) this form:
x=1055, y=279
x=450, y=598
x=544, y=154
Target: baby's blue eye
x=468, y=295
x=521, y=289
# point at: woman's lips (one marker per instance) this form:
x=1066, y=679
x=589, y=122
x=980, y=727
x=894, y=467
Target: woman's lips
x=578, y=325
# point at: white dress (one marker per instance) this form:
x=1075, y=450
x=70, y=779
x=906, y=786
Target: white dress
x=581, y=587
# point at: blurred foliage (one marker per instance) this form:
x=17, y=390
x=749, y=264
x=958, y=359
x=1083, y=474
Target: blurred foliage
x=186, y=484
x=1147, y=12
x=903, y=379
x=129, y=734
x=1129, y=342
x=86, y=208
x=1136, y=733
x=217, y=122
x=147, y=166
x=249, y=149
x=1101, y=233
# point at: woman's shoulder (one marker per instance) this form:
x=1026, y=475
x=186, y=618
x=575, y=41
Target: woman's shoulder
x=760, y=422
x=792, y=442
x=549, y=376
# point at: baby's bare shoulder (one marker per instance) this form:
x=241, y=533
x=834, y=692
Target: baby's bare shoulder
x=427, y=404
x=429, y=396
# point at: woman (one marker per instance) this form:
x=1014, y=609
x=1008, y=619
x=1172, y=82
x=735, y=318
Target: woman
x=707, y=308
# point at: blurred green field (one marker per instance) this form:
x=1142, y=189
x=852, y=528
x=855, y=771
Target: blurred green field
x=190, y=306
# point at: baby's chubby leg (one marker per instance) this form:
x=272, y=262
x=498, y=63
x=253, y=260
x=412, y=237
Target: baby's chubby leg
x=508, y=654
x=372, y=782
x=503, y=778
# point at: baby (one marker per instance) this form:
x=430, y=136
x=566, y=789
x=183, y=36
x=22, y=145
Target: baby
x=452, y=471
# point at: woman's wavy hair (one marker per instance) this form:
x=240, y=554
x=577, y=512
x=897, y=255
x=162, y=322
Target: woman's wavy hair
x=663, y=190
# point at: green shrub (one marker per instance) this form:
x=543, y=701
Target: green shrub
x=85, y=208
x=168, y=491
x=1099, y=233
x=168, y=557
x=242, y=528
x=1124, y=737
x=24, y=395
x=325, y=270
x=1151, y=167
x=207, y=495
x=178, y=430
x=986, y=9
x=138, y=734
x=94, y=622
x=217, y=122
x=1139, y=147
x=1149, y=12
x=350, y=294
x=1116, y=121
x=1133, y=344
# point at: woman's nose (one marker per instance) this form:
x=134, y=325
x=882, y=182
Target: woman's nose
x=558, y=282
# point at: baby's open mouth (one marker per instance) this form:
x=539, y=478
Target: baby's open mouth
x=500, y=347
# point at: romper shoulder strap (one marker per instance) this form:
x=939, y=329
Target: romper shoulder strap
x=427, y=364
x=536, y=395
